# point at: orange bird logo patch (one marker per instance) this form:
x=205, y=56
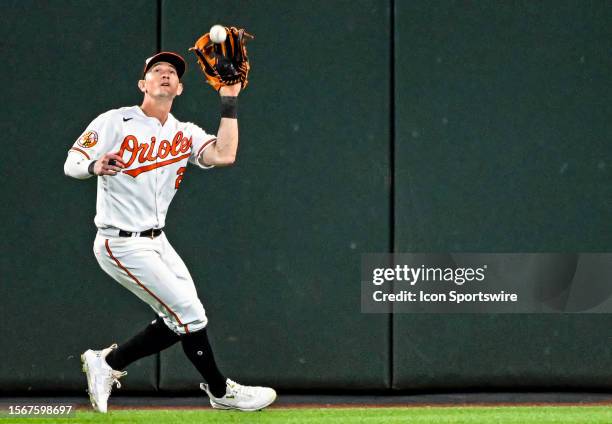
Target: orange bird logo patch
x=89, y=139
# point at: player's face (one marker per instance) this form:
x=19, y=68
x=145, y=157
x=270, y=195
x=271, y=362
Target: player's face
x=161, y=81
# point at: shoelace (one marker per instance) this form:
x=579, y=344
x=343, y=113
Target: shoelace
x=114, y=378
x=239, y=389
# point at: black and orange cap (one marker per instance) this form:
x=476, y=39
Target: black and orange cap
x=174, y=59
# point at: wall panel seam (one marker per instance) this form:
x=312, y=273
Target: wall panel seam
x=392, y=167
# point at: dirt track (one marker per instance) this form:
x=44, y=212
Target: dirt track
x=335, y=401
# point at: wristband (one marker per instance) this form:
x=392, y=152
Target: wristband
x=229, y=107
x=90, y=168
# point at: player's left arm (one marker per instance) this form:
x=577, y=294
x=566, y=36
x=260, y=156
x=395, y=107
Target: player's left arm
x=223, y=151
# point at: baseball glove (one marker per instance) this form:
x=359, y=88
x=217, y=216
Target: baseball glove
x=226, y=63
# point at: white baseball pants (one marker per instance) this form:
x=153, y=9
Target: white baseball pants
x=153, y=271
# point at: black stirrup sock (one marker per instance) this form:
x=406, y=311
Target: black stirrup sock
x=153, y=339
x=198, y=350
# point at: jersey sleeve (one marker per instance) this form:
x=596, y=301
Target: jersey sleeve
x=201, y=140
x=98, y=137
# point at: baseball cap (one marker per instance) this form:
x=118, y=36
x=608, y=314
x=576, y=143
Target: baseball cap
x=174, y=59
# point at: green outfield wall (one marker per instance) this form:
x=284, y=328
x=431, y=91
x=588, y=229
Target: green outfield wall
x=368, y=126
x=502, y=144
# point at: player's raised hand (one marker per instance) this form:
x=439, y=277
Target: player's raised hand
x=109, y=164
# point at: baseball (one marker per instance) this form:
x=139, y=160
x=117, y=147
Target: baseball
x=217, y=34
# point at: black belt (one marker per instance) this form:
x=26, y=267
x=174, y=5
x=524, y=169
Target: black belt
x=147, y=233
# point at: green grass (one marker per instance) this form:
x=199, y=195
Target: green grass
x=419, y=415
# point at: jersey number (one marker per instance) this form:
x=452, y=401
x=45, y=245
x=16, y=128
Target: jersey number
x=179, y=179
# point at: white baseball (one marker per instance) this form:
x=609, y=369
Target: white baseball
x=217, y=34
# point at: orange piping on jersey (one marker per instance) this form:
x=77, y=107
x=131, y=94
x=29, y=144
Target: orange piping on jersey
x=80, y=151
x=146, y=289
x=204, y=146
x=137, y=171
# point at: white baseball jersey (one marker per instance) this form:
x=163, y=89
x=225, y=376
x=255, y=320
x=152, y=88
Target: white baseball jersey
x=156, y=156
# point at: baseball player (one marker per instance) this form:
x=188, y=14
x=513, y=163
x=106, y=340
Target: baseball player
x=139, y=155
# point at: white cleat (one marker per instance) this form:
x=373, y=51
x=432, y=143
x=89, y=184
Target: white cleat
x=100, y=377
x=243, y=398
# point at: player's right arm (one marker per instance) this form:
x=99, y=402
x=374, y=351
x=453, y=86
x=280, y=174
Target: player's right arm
x=78, y=166
x=89, y=155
